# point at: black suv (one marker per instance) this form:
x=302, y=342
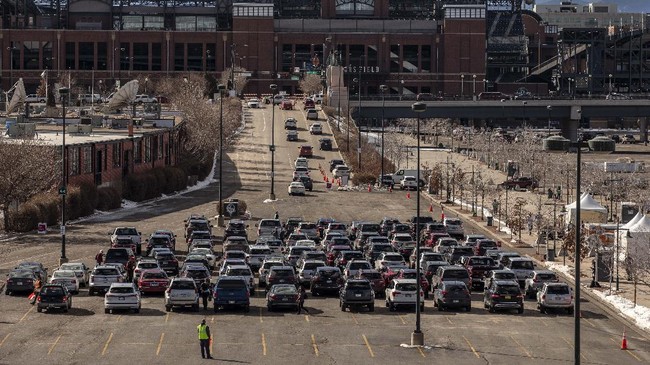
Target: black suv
x=357, y=293
x=457, y=252
x=325, y=144
x=281, y=275
x=53, y=296
x=326, y=279
x=503, y=294
x=118, y=255
x=235, y=227
x=167, y=261
x=334, y=163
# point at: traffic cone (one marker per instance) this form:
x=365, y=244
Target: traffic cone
x=430, y=208
x=369, y=188
x=325, y=178
x=390, y=188
x=408, y=195
x=624, y=342
x=339, y=182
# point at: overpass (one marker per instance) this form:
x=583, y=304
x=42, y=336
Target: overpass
x=568, y=112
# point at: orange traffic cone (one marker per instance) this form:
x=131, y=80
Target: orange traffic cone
x=430, y=208
x=325, y=178
x=408, y=195
x=369, y=188
x=390, y=188
x=624, y=342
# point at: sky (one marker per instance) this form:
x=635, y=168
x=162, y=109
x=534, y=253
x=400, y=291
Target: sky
x=624, y=6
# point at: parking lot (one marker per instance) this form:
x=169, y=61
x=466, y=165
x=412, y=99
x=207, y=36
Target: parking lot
x=87, y=335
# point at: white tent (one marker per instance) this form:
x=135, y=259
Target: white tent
x=637, y=240
x=632, y=221
x=590, y=211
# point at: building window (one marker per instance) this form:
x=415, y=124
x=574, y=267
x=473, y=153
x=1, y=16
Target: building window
x=211, y=56
x=137, y=151
x=141, y=56
x=124, y=55
x=147, y=149
x=30, y=55
x=287, y=58
x=87, y=159
x=102, y=59
x=160, y=147
x=194, y=56
x=48, y=60
x=70, y=49
x=73, y=160
x=153, y=22
x=156, y=57
x=179, y=57
x=86, y=55
x=355, y=7
x=117, y=154
x=425, y=55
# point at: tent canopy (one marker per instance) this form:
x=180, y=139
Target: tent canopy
x=633, y=221
x=587, y=202
x=642, y=226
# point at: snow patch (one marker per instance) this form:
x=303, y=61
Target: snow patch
x=128, y=204
x=639, y=314
x=266, y=201
x=564, y=269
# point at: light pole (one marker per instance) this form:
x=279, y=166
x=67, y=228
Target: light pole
x=63, y=92
x=417, y=337
x=220, y=221
x=383, y=89
x=548, y=109
x=474, y=87
x=462, y=86
x=274, y=89
x=11, y=65
x=618, y=223
x=358, y=123
x=610, y=83
x=146, y=81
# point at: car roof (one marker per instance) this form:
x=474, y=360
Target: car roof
x=520, y=259
x=182, y=279
x=328, y=268
x=544, y=272
x=238, y=267
x=453, y=283
x=404, y=281
x=506, y=282
x=122, y=285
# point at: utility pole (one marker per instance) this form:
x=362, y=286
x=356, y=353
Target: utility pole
x=611, y=196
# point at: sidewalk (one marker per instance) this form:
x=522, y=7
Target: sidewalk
x=621, y=302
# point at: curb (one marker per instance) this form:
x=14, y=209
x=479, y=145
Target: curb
x=605, y=306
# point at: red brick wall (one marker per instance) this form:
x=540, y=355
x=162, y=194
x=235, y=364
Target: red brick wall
x=464, y=53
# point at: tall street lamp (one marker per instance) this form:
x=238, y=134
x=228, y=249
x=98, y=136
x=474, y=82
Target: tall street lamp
x=610, y=83
x=549, y=108
x=220, y=221
x=462, y=86
x=63, y=92
x=358, y=81
x=11, y=65
x=274, y=89
x=473, y=86
x=417, y=337
x=383, y=89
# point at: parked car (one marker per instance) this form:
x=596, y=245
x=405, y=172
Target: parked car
x=452, y=294
x=309, y=104
x=53, y=296
x=454, y=227
x=296, y=188
x=498, y=274
x=292, y=135
x=291, y=124
x=286, y=105
x=130, y=233
x=231, y=292
x=144, y=98
x=20, y=280
x=408, y=183
x=34, y=98
x=67, y=278
x=81, y=271
x=282, y=296
x=629, y=139
x=478, y=266
x=102, y=277
x=450, y=273
x=122, y=296
x=522, y=267
x=253, y=103
x=312, y=114
x=357, y=293
x=537, y=280
x=305, y=151
x=341, y=170
x=153, y=281
x=167, y=261
x=555, y=296
x=403, y=292
x=334, y=163
x=326, y=279
x=520, y=183
x=503, y=294
x=281, y=275
x=182, y=292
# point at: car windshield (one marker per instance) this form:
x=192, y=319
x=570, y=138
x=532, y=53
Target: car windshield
x=283, y=272
x=105, y=271
x=508, y=289
x=282, y=289
x=269, y=223
x=148, y=265
x=313, y=265
x=63, y=274
x=382, y=248
x=21, y=274
x=557, y=289
x=523, y=265
x=371, y=275
x=358, y=285
x=329, y=274
x=165, y=256
x=456, y=274
x=260, y=251
x=239, y=272
x=409, y=275
x=71, y=267
x=359, y=265
x=268, y=265
x=52, y=290
x=229, y=284
x=122, y=290
x=154, y=275
x=546, y=277
x=307, y=226
x=297, y=251
x=434, y=257
x=159, y=240
x=505, y=275
x=406, y=286
x=126, y=232
x=393, y=257
x=196, y=274
x=236, y=226
x=236, y=255
x=183, y=284
x=455, y=288
x=117, y=254
x=485, y=261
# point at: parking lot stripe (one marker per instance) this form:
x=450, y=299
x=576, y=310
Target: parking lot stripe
x=108, y=342
x=401, y=318
x=166, y=317
x=628, y=351
x=421, y=352
x=212, y=319
x=162, y=336
x=523, y=349
x=263, y=345
x=314, y=345
x=355, y=319
x=449, y=320
x=571, y=345
x=472, y=347
x=590, y=322
x=4, y=339
x=543, y=322
x=261, y=319
x=54, y=344
x=26, y=313
x=372, y=354
x=306, y=318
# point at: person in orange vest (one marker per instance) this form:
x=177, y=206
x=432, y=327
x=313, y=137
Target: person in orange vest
x=204, y=339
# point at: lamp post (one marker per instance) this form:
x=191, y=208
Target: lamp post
x=417, y=337
x=548, y=109
x=462, y=86
x=11, y=65
x=274, y=89
x=618, y=223
x=358, y=123
x=610, y=83
x=220, y=220
x=63, y=92
x=474, y=87
x=383, y=89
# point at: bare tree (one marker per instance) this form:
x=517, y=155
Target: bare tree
x=310, y=84
x=27, y=168
x=236, y=75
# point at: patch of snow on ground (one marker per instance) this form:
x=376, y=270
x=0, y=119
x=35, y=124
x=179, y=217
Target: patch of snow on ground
x=269, y=201
x=564, y=269
x=640, y=315
x=128, y=204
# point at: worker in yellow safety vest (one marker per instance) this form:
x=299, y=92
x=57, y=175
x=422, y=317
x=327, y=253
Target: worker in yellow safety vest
x=204, y=339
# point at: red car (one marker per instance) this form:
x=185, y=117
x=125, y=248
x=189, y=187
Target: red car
x=153, y=281
x=376, y=281
x=286, y=105
x=334, y=251
x=411, y=274
x=309, y=104
x=390, y=272
x=305, y=151
x=432, y=240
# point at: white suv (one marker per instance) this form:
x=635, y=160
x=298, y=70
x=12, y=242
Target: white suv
x=316, y=128
x=182, y=292
x=341, y=170
x=403, y=292
x=103, y=277
x=33, y=98
x=555, y=295
x=302, y=162
x=122, y=296
x=144, y=98
x=408, y=183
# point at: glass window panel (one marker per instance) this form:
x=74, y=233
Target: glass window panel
x=141, y=56
x=194, y=56
x=186, y=23
x=303, y=55
x=86, y=55
x=211, y=57
x=205, y=23
x=124, y=55
x=156, y=56
x=30, y=55
x=132, y=22
x=102, y=58
x=70, y=48
x=425, y=54
x=371, y=54
x=48, y=61
x=152, y=22
x=179, y=57
x=287, y=57
x=86, y=159
x=410, y=63
x=394, y=58
x=73, y=160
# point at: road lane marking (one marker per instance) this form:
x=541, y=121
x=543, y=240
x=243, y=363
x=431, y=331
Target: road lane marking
x=25, y=315
x=167, y=318
x=212, y=319
x=314, y=345
x=523, y=349
x=263, y=345
x=449, y=320
x=571, y=345
x=108, y=342
x=472, y=347
x=54, y=344
x=162, y=336
x=372, y=354
x=211, y=350
x=590, y=322
x=421, y=352
x=543, y=322
x=401, y=318
x=261, y=319
x=628, y=351
x=307, y=318
x=4, y=339
x=119, y=317
x=355, y=319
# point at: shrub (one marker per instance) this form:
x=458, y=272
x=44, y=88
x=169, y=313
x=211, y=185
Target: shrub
x=364, y=178
x=108, y=198
x=152, y=186
x=48, y=205
x=134, y=188
x=73, y=203
x=89, y=199
x=25, y=219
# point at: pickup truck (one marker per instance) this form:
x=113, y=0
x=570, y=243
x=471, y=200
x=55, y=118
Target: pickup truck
x=520, y=183
x=357, y=292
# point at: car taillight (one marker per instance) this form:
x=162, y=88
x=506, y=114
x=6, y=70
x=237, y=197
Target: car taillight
x=495, y=295
x=544, y=297
x=520, y=296
x=38, y=298
x=443, y=293
x=395, y=293
x=10, y=281
x=65, y=298
x=273, y=296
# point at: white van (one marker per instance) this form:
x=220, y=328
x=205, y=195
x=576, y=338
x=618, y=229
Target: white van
x=399, y=175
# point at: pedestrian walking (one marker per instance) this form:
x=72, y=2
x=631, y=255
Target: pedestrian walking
x=99, y=258
x=277, y=215
x=130, y=267
x=204, y=339
x=530, y=224
x=206, y=290
x=301, y=300
x=37, y=290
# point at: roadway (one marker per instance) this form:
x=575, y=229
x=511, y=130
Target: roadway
x=326, y=336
